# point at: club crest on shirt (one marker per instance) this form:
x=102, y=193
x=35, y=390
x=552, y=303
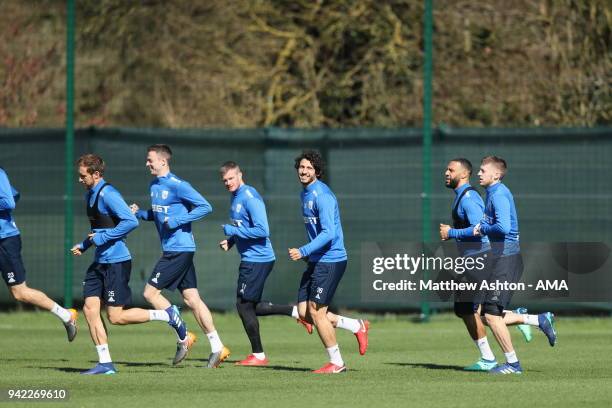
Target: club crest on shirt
x=238, y=207
x=310, y=204
x=164, y=194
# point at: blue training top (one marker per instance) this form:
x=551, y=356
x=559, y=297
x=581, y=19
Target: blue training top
x=500, y=222
x=470, y=210
x=175, y=204
x=322, y=221
x=249, y=228
x=110, y=242
x=8, y=200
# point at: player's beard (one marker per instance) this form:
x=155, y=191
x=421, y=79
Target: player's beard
x=452, y=183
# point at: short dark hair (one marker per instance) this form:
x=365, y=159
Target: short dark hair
x=465, y=163
x=92, y=162
x=497, y=162
x=162, y=149
x=315, y=158
x=227, y=166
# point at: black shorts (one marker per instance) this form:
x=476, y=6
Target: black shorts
x=11, y=264
x=174, y=270
x=252, y=278
x=474, y=276
x=109, y=282
x=320, y=281
x=506, y=268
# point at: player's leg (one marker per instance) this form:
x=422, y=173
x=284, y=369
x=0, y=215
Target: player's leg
x=327, y=287
x=247, y=312
x=470, y=314
x=155, y=298
x=202, y=314
x=92, y=291
x=509, y=269
x=543, y=321
x=249, y=288
x=14, y=274
x=325, y=279
x=187, y=284
x=327, y=334
x=166, y=274
x=359, y=327
x=117, y=283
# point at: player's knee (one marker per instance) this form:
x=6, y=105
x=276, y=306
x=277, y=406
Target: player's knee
x=492, y=311
x=89, y=311
x=191, y=301
x=116, y=319
x=150, y=295
x=20, y=292
x=17, y=294
x=241, y=307
x=463, y=309
x=317, y=313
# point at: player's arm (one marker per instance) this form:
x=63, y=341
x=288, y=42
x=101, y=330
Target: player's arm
x=326, y=207
x=115, y=205
x=199, y=206
x=260, y=229
x=473, y=213
x=502, y=224
x=7, y=199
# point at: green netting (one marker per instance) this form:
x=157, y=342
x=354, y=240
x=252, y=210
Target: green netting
x=559, y=177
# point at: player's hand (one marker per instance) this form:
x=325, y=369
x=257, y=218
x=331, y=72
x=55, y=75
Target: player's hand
x=477, y=230
x=76, y=250
x=134, y=208
x=295, y=254
x=224, y=245
x=444, y=228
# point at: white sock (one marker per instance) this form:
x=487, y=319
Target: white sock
x=511, y=357
x=348, y=324
x=294, y=313
x=334, y=355
x=260, y=356
x=531, y=320
x=485, y=350
x=160, y=315
x=103, y=353
x=60, y=312
x=215, y=341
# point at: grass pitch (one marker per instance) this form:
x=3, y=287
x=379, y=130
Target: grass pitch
x=407, y=364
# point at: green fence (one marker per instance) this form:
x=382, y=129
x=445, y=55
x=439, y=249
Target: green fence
x=560, y=179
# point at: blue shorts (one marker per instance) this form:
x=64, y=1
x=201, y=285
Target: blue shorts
x=109, y=282
x=320, y=280
x=174, y=270
x=251, y=279
x=11, y=264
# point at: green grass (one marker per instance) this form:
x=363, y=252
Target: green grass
x=407, y=364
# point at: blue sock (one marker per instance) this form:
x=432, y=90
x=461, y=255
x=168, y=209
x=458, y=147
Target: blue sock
x=177, y=322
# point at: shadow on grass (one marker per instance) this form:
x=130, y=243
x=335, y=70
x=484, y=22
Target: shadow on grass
x=431, y=366
x=282, y=368
x=135, y=364
x=33, y=359
x=205, y=360
x=63, y=369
